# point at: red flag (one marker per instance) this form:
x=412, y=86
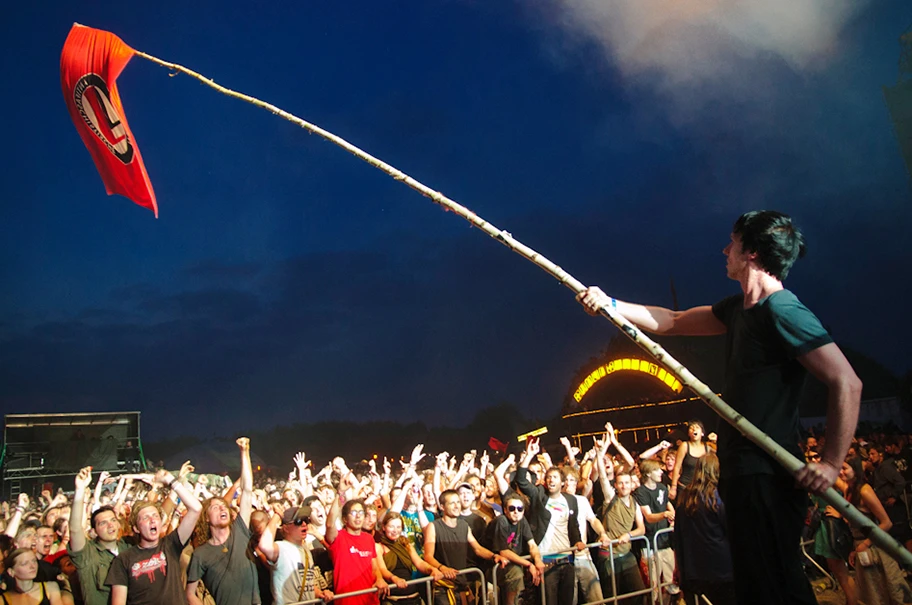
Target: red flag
x=497, y=445
x=89, y=65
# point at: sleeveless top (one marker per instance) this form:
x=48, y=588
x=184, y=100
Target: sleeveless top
x=687, y=468
x=44, y=598
x=618, y=520
x=451, y=546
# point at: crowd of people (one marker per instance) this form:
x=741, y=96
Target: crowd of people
x=737, y=517
x=588, y=523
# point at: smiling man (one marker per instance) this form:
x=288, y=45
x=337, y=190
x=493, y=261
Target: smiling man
x=149, y=573
x=772, y=343
x=222, y=563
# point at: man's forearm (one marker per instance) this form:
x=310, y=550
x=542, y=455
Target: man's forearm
x=843, y=402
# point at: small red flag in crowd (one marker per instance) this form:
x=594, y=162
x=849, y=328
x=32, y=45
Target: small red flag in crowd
x=497, y=445
x=89, y=65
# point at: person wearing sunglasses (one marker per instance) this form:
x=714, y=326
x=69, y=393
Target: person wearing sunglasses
x=514, y=541
x=294, y=576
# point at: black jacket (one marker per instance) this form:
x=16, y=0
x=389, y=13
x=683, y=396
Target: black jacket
x=538, y=515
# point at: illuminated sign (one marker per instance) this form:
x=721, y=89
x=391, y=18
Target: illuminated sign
x=534, y=433
x=631, y=365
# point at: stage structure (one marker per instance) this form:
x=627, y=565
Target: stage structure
x=41, y=449
x=643, y=401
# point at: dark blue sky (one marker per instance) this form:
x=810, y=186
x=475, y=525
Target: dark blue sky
x=288, y=281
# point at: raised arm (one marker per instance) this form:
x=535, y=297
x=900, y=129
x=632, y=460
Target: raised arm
x=194, y=507
x=267, y=543
x=698, y=321
x=676, y=473
x=332, y=520
x=500, y=474
x=246, y=500
x=77, y=511
x=631, y=464
x=604, y=477
x=829, y=365
x=13, y=526
x=651, y=452
x=571, y=454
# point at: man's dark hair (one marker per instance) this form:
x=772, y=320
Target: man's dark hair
x=445, y=493
x=101, y=509
x=347, y=507
x=777, y=242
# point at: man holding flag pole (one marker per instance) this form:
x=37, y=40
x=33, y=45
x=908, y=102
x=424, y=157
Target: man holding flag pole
x=773, y=342
x=92, y=59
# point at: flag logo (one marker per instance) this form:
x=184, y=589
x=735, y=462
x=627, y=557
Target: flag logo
x=93, y=101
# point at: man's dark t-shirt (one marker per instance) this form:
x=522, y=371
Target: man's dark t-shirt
x=509, y=536
x=152, y=575
x=226, y=570
x=763, y=377
x=657, y=501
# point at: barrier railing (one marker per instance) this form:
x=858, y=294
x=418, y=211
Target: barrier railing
x=654, y=570
x=612, y=599
x=428, y=582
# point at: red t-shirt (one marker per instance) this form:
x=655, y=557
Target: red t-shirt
x=352, y=557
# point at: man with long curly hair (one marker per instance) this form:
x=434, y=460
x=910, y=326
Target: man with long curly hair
x=221, y=560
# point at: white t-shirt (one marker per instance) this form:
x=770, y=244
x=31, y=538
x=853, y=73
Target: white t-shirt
x=287, y=572
x=585, y=515
x=556, y=537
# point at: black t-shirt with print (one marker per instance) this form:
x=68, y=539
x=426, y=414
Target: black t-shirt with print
x=152, y=575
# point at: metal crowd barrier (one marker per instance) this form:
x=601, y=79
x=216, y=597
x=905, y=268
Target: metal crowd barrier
x=429, y=588
x=651, y=588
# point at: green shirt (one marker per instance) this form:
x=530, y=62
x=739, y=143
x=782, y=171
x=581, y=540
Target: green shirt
x=92, y=563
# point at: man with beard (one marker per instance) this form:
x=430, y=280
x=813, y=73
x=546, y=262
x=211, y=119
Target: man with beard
x=354, y=556
x=623, y=521
x=93, y=558
x=149, y=573
x=552, y=515
x=222, y=563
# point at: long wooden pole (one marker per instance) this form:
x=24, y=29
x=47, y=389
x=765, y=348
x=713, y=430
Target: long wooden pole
x=729, y=414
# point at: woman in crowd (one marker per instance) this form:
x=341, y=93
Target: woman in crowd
x=878, y=578
x=686, y=458
x=701, y=542
x=21, y=587
x=823, y=545
x=401, y=560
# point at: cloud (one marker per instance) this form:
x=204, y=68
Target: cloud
x=695, y=52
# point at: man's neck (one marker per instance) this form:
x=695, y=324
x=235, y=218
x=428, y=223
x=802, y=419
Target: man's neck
x=451, y=521
x=757, y=285
x=108, y=545
x=219, y=534
x=353, y=531
x=143, y=543
x=649, y=484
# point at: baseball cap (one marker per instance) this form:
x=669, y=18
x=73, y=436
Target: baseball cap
x=296, y=513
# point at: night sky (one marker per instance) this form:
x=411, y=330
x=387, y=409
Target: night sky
x=287, y=281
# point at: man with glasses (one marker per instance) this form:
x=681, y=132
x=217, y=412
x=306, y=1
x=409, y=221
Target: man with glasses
x=92, y=558
x=149, y=573
x=513, y=540
x=354, y=556
x=293, y=575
